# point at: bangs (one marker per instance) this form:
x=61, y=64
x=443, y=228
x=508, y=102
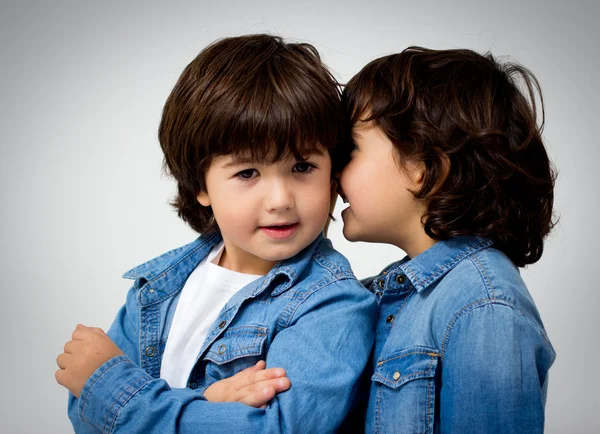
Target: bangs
x=274, y=109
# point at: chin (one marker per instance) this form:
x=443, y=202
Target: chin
x=350, y=235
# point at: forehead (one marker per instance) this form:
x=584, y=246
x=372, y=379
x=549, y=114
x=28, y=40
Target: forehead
x=247, y=157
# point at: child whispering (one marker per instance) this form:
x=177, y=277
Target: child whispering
x=447, y=163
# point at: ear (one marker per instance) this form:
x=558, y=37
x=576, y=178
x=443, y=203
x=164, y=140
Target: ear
x=445, y=171
x=417, y=173
x=203, y=198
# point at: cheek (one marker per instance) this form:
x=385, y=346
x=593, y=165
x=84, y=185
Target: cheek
x=357, y=180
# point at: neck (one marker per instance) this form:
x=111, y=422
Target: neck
x=415, y=247
x=248, y=264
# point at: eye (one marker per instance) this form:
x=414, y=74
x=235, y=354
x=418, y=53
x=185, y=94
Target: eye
x=303, y=167
x=353, y=146
x=247, y=174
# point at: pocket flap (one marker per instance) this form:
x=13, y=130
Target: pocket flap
x=237, y=342
x=398, y=368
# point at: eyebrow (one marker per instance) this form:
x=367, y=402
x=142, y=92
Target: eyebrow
x=239, y=160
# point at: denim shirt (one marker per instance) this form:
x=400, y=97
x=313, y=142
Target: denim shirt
x=460, y=346
x=308, y=315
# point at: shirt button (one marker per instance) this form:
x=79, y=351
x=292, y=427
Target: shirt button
x=401, y=279
x=381, y=284
x=222, y=349
x=151, y=290
x=222, y=324
x=396, y=375
x=150, y=351
x=389, y=319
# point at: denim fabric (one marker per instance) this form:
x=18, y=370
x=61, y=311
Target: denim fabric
x=460, y=346
x=308, y=315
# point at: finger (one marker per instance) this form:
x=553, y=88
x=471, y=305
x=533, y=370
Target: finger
x=259, y=398
x=63, y=360
x=267, y=374
x=259, y=394
x=247, y=376
x=253, y=378
x=278, y=385
x=79, y=333
x=96, y=330
x=68, y=348
x=60, y=376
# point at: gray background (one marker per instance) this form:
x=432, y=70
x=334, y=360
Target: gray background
x=83, y=198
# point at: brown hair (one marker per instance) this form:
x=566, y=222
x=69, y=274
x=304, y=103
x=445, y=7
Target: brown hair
x=249, y=95
x=460, y=107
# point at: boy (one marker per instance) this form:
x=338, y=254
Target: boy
x=449, y=165
x=248, y=133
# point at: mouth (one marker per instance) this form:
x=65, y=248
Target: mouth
x=280, y=230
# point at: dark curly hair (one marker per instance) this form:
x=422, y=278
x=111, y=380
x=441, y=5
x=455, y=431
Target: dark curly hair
x=252, y=95
x=465, y=109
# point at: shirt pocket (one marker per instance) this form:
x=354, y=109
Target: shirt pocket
x=405, y=391
x=237, y=349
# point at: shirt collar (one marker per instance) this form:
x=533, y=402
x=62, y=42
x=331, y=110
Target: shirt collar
x=433, y=264
x=167, y=273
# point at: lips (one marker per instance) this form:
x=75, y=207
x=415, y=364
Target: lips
x=280, y=231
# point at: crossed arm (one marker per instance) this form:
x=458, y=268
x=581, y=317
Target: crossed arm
x=89, y=348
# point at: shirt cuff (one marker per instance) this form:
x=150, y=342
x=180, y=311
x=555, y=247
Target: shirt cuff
x=109, y=388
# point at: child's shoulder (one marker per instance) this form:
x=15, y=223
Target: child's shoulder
x=484, y=278
x=188, y=254
x=487, y=274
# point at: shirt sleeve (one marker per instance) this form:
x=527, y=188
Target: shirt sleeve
x=494, y=372
x=123, y=332
x=324, y=349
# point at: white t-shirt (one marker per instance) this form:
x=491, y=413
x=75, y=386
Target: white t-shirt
x=207, y=289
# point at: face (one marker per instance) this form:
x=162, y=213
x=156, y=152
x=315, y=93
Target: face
x=267, y=212
x=376, y=186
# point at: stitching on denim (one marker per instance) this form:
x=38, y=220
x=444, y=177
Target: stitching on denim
x=405, y=378
x=486, y=278
x=172, y=253
x=472, y=306
x=125, y=403
x=459, y=258
x=305, y=296
x=116, y=402
x=333, y=268
x=378, y=423
x=232, y=353
x=164, y=272
x=262, y=331
x=429, y=353
x=429, y=387
x=92, y=385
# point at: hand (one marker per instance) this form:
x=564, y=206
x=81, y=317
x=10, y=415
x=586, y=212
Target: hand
x=89, y=349
x=254, y=386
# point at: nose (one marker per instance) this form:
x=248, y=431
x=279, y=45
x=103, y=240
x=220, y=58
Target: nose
x=279, y=196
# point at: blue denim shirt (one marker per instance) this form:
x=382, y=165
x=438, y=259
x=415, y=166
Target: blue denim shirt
x=308, y=315
x=460, y=346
